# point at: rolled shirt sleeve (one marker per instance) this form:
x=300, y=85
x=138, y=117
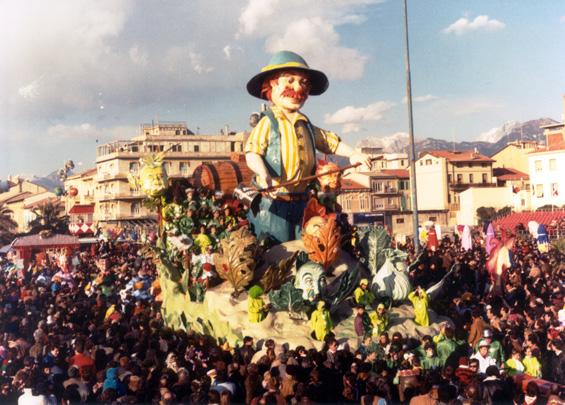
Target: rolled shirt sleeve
x=326, y=141
x=259, y=138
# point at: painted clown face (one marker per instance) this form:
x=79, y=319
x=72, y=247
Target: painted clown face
x=290, y=90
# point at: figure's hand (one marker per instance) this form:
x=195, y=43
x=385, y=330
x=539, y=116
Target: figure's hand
x=269, y=183
x=362, y=158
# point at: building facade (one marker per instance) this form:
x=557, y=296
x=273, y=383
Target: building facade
x=515, y=155
x=547, y=167
x=443, y=175
x=116, y=203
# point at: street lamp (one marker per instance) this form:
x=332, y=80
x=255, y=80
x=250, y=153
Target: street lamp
x=412, y=150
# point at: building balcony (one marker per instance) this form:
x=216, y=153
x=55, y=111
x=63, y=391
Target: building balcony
x=463, y=186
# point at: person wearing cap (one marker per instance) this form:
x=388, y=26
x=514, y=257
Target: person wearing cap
x=379, y=319
x=483, y=357
x=495, y=348
x=321, y=321
x=282, y=146
x=362, y=294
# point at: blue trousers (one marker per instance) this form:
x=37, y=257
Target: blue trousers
x=278, y=220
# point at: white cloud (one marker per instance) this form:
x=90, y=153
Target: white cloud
x=480, y=23
x=308, y=28
x=350, y=117
x=227, y=52
x=138, y=55
x=31, y=91
x=420, y=99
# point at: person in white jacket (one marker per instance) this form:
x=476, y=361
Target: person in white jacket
x=482, y=356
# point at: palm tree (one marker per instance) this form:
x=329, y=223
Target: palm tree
x=7, y=225
x=50, y=217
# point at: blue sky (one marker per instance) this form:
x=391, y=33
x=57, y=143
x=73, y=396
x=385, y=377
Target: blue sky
x=81, y=71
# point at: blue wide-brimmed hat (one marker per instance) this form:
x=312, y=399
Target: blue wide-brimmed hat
x=285, y=60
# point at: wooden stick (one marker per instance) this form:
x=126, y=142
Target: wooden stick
x=315, y=176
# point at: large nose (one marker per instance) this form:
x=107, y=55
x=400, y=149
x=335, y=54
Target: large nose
x=296, y=85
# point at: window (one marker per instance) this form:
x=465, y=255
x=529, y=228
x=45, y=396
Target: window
x=134, y=148
x=167, y=167
x=176, y=148
x=554, y=189
x=538, y=166
x=552, y=164
x=433, y=219
x=539, y=190
x=421, y=163
x=449, y=178
x=362, y=203
x=402, y=162
x=197, y=148
x=135, y=208
x=428, y=162
x=470, y=177
x=485, y=178
x=183, y=168
x=399, y=220
x=483, y=164
x=232, y=146
x=134, y=167
x=459, y=178
x=177, y=132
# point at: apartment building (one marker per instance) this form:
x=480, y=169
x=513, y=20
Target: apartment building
x=546, y=168
x=115, y=202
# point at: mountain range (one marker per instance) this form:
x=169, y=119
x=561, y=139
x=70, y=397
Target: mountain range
x=487, y=143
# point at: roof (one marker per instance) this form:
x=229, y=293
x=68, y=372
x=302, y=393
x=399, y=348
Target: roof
x=456, y=156
x=82, y=209
x=18, y=197
x=401, y=173
x=37, y=241
x=555, y=147
x=508, y=173
x=348, y=184
x=46, y=200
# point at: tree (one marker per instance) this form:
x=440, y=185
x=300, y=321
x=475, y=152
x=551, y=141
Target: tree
x=49, y=217
x=7, y=225
x=485, y=214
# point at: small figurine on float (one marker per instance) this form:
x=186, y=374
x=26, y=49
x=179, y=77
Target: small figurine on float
x=363, y=295
x=321, y=321
x=419, y=298
x=379, y=319
x=282, y=146
x=256, y=308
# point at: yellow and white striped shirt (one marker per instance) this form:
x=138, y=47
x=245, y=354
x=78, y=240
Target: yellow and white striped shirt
x=298, y=159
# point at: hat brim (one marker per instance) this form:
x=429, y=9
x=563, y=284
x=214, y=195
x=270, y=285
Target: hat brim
x=319, y=80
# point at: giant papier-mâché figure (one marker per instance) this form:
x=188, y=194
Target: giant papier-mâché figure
x=282, y=146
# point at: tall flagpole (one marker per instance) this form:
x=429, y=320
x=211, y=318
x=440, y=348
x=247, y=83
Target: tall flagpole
x=412, y=152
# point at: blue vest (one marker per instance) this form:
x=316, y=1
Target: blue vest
x=273, y=157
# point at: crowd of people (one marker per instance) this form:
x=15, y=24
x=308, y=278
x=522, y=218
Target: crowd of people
x=90, y=329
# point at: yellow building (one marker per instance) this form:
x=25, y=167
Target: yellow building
x=19, y=197
x=515, y=155
x=115, y=202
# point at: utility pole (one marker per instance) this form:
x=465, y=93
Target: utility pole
x=412, y=152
